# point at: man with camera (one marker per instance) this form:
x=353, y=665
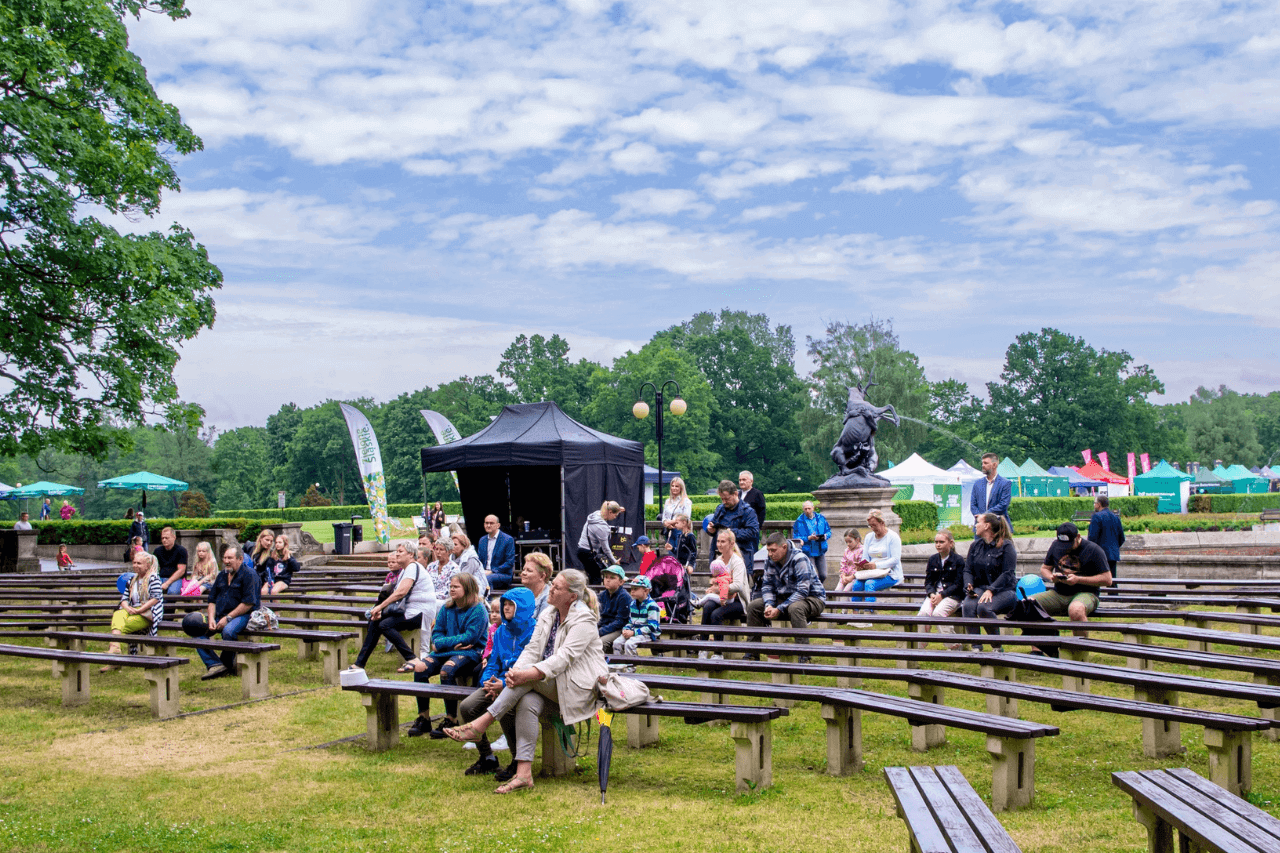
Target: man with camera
x=814, y=532
x=1077, y=568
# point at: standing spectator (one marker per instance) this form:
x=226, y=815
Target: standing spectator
x=1106, y=531
x=67, y=510
x=992, y=494
x=677, y=504
x=734, y=514
x=173, y=561
x=23, y=522
x=943, y=582
x=139, y=529
x=497, y=552
x=64, y=559
x=812, y=529
x=45, y=510
x=233, y=597
x=469, y=562
x=990, y=572
x=615, y=606
x=882, y=549
x=435, y=519
x=751, y=496
x=128, y=514
x=594, y=552
x=681, y=542
x=789, y=590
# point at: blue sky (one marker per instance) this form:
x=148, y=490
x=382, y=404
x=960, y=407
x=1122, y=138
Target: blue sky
x=395, y=190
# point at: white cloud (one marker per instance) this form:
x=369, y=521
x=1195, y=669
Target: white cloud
x=742, y=176
x=876, y=184
x=1251, y=289
x=638, y=158
x=658, y=202
x=771, y=211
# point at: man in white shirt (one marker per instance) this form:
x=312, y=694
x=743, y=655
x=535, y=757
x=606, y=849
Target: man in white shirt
x=24, y=522
x=992, y=494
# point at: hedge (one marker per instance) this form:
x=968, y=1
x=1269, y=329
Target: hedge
x=1237, y=503
x=116, y=531
x=1061, y=509
x=917, y=515
x=334, y=513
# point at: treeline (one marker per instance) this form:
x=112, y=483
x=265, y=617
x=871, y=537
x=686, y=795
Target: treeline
x=748, y=408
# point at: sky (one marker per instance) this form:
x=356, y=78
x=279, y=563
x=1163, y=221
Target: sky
x=395, y=190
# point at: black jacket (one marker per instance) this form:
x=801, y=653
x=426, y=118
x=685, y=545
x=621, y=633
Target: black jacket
x=991, y=566
x=754, y=498
x=945, y=577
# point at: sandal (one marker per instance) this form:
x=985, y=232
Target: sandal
x=465, y=733
x=109, y=668
x=514, y=785
x=408, y=666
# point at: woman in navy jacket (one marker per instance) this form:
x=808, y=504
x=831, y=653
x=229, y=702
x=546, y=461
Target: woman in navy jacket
x=990, y=572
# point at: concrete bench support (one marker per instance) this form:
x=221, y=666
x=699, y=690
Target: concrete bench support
x=413, y=638
x=555, y=762
x=1159, y=737
x=1230, y=760
x=1268, y=713
x=334, y=655
x=382, y=720
x=75, y=682
x=642, y=730
x=254, y=668
x=753, y=759
x=845, y=681
x=1004, y=706
x=164, y=692
x=844, y=739
x=308, y=651
x=784, y=678
x=924, y=738
x=1013, y=763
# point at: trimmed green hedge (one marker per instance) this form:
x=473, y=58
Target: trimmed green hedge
x=917, y=515
x=116, y=531
x=334, y=513
x=1240, y=503
x=1061, y=509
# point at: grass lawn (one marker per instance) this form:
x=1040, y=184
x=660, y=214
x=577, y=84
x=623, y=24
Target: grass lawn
x=323, y=530
x=277, y=775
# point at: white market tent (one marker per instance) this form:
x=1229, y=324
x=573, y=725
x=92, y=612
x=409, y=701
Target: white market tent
x=968, y=476
x=930, y=483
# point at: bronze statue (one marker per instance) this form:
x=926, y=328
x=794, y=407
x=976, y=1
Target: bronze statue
x=855, y=451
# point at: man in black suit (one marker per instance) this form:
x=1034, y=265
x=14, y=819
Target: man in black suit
x=751, y=496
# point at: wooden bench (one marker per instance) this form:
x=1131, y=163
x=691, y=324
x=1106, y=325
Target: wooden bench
x=751, y=727
x=73, y=668
x=944, y=814
x=1082, y=516
x=1269, y=515
x=1207, y=817
x=329, y=646
x=251, y=658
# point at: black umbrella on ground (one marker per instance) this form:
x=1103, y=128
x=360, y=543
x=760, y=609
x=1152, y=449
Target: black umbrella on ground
x=604, y=749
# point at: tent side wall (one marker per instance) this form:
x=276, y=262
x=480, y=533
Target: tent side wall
x=1168, y=492
x=586, y=487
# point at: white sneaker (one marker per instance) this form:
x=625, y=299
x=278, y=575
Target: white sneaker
x=716, y=657
x=500, y=745
x=468, y=745
x=702, y=655
x=861, y=624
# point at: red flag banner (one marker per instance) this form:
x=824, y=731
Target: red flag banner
x=1103, y=460
x=1087, y=454
x=1133, y=467
x=1146, y=462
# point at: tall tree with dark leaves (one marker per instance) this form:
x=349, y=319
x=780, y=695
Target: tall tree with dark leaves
x=537, y=369
x=1058, y=395
x=1220, y=425
x=90, y=319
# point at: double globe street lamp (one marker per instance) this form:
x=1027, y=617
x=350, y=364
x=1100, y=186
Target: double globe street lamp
x=641, y=411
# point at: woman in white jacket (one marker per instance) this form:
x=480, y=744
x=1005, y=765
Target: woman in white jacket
x=561, y=666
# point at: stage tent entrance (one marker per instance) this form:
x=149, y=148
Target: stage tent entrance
x=534, y=464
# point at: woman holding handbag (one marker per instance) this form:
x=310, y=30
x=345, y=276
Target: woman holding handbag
x=412, y=604
x=882, y=558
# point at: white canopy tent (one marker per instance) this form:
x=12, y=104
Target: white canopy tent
x=968, y=476
x=930, y=483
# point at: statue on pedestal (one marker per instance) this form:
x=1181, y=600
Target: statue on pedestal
x=855, y=451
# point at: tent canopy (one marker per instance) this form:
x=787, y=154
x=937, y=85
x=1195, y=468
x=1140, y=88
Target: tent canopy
x=1075, y=479
x=1164, y=471
x=1205, y=477
x=1094, y=471
x=1031, y=469
x=534, y=464
x=1239, y=472
x=916, y=471
x=1008, y=469
x=144, y=480
x=42, y=488
x=966, y=472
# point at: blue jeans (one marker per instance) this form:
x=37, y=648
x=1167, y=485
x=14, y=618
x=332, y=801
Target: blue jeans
x=871, y=586
x=230, y=632
x=497, y=580
x=174, y=588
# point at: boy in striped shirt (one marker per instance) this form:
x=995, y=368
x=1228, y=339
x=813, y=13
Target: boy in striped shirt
x=643, y=625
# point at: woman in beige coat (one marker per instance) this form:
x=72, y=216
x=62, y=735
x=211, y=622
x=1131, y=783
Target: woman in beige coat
x=561, y=666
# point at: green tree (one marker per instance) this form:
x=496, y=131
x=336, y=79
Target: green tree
x=320, y=451
x=857, y=353
x=243, y=475
x=954, y=413
x=539, y=369
x=1220, y=425
x=90, y=319
x=1058, y=395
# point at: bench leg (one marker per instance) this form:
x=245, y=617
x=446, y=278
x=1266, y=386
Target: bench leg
x=1074, y=682
x=845, y=681
x=642, y=730
x=753, y=759
x=784, y=678
x=1268, y=713
x=334, y=655
x=1005, y=706
x=555, y=762
x=253, y=668
x=164, y=692
x=1230, y=760
x=413, y=639
x=382, y=720
x=1245, y=628
x=1159, y=737
x=1159, y=833
x=924, y=738
x=711, y=698
x=307, y=651
x=1139, y=663
x=1013, y=763
x=844, y=739
x=75, y=682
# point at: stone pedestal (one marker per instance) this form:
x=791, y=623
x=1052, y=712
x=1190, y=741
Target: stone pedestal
x=845, y=508
x=18, y=551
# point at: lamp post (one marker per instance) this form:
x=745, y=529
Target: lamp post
x=641, y=411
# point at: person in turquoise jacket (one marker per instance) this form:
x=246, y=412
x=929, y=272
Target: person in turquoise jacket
x=812, y=530
x=518, y=619
x=457, y=641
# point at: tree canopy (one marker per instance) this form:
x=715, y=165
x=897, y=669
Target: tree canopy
x=90, y=319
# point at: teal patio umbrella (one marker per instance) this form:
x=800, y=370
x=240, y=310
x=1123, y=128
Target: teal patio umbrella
x=146, y=481
x=42, y=488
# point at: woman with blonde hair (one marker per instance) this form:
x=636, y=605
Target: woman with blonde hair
x=715, y=612
x=141, y=604
x=464, y=554
x=594, y=551
x=677, y=504
x=536, y=577
x=559, y=670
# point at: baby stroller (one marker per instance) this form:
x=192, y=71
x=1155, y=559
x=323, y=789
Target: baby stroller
x=671, y=589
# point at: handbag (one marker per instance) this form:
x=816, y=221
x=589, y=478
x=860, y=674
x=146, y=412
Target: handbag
x=400, y=605
x=263, y=619
x=620, y=692
x=870, y=574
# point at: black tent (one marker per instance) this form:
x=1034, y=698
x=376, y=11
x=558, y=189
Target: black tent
x=536, y=464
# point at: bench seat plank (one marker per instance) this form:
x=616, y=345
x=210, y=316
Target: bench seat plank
x=1160, y=809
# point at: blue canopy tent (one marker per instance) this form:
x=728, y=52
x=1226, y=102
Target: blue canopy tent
x=1075, y=480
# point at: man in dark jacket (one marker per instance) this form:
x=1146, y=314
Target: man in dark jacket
x=233, y=596
x=615, y=606
x=1106, y=531
x=790, y=588
x=734, y=514
x=751, y=496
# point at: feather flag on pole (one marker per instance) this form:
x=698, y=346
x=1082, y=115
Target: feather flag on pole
x=446, y=432
x=369, y=459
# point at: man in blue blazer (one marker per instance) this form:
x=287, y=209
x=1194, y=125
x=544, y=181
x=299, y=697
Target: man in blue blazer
x=992, y=494
x=1106, y=531
x=497, y=551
